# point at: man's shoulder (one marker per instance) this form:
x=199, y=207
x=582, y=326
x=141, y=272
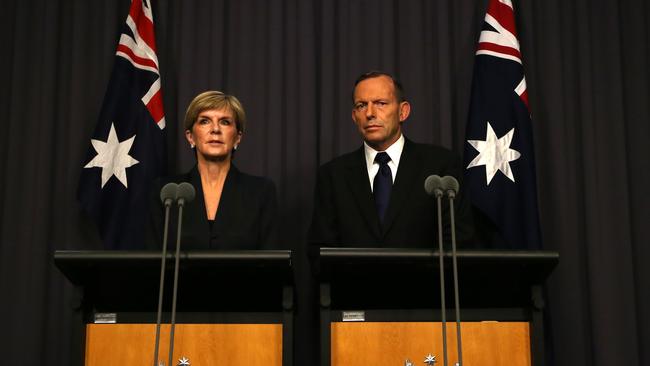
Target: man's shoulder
x=347, y=159
x=430, y=151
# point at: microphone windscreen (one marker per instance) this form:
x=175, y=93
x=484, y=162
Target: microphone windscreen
x=168, y=193
x=186, y=192
x=450, y=183
x=432, y=184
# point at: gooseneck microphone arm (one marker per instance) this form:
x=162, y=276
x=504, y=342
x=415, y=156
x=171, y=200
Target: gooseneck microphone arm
x=450, y=186
x=167, y=196
x=433, y=187
x=185, y=194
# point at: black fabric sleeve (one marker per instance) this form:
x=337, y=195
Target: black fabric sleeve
x=268, y=225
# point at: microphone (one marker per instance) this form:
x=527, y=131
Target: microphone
x=167, y=197
x=184, y=194
x=451, y=187
x=168, y=194
x=433, y=186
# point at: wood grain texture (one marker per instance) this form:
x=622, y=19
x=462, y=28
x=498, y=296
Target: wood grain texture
x=203, y=344
x=391, y=343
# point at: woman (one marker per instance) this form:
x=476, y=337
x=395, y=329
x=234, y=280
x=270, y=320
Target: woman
x=232, y=210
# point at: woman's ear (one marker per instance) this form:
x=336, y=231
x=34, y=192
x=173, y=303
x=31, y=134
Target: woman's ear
x=190, y=138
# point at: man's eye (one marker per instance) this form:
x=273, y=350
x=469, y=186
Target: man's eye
x=360, y=106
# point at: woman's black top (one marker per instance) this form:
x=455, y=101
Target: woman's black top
x=245, y=219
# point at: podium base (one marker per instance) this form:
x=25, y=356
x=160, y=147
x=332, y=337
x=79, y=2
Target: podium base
x=202, y=344
x=392, y=343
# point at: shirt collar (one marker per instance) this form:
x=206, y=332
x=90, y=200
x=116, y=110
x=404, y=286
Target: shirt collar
x=394, y=151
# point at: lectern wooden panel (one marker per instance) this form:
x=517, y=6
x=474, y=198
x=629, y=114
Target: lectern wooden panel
x=378, y=306
x=203, y=344
x=234, y=307
x=392, y=343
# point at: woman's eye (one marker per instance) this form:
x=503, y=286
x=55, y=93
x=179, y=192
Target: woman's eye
x=225, y=122
x=204, y=121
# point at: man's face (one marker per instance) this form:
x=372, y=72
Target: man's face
x=377, y=112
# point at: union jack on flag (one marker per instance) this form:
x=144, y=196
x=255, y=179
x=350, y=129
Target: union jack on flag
x=128, y=146
x=499, y=153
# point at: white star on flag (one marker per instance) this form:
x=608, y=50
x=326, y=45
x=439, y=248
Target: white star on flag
x=495, y=153
x=113, y=157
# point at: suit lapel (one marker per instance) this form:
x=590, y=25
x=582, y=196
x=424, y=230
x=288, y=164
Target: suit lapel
x=228, y=206
x=404, y=184
x=357, y=180
x=194, y=217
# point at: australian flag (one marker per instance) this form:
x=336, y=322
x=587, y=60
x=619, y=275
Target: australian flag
x=128, y=146
x=499, y=153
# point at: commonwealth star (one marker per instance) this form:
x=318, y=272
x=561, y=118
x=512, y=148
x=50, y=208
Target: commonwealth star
x=495, y=153
x=113, y=157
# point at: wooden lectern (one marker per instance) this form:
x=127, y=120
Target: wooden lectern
x=382, y=306
x=233, y=307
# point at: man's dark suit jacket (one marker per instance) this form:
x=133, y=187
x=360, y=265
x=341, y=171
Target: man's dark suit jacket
x=345, y=213
x=245, y=217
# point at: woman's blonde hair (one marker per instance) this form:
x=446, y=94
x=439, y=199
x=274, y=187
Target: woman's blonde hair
x=214, y=99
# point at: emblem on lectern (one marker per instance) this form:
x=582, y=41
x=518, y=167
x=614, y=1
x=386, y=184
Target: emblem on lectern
x=430, y=360
x=184, y=361
x=408, y=362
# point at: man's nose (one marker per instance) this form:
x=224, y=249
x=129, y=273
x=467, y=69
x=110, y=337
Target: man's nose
x=370, y=111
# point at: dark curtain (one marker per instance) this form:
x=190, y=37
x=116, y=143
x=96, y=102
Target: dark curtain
x=292, y=63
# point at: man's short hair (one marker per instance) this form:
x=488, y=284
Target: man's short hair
x=399, y=90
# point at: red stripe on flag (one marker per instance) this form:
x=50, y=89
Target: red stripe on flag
x=503, y=14
x=524, y=97
x=499, y=49
x=155, y=106
x=143, y=24
x=145, y=29
x=138, y=60
x=136, y=9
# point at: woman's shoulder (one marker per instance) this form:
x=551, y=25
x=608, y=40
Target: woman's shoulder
x=176, y=178
x=254, y=181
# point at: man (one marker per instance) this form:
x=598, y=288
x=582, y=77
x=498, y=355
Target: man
x=374, y=196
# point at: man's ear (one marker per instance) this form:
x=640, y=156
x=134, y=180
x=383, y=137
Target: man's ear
x=404, y=111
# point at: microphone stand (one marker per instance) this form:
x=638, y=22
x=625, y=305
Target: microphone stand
x=459, y=346
x=166, y=193
x=185, y=194
x=438, y=194
x=175, y=290
x=433, y=185
x=451, y=187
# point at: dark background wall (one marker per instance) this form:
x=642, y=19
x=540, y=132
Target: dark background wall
x=292, y=64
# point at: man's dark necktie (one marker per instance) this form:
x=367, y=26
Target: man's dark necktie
x=382, y=184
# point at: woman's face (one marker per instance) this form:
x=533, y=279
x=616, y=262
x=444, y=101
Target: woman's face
x=214, y=133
